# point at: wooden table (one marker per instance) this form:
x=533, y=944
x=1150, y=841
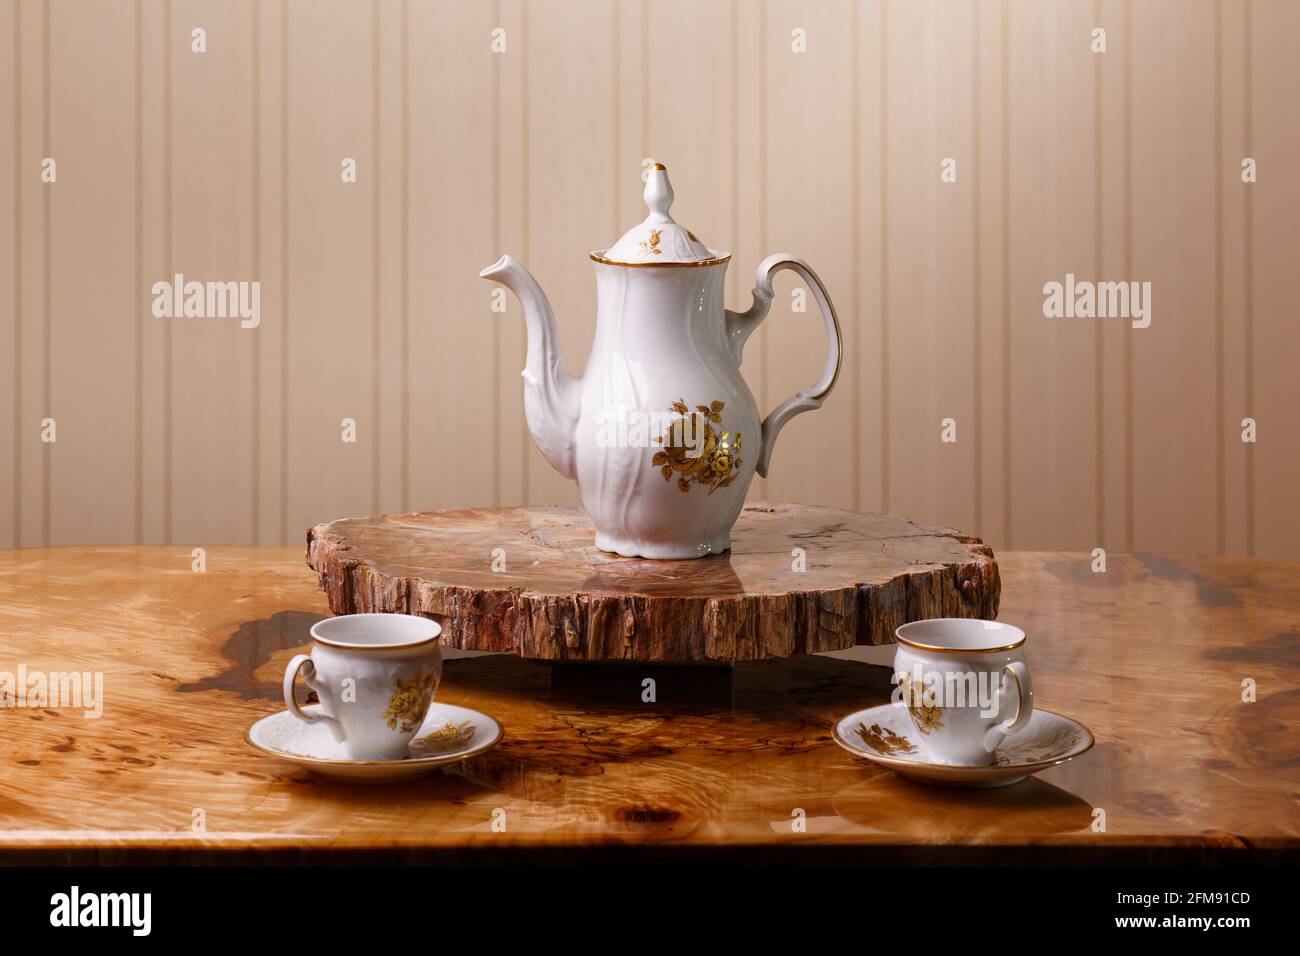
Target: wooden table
x=1152, y=655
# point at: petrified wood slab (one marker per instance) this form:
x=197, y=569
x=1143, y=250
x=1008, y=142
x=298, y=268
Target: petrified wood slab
x=799, y=579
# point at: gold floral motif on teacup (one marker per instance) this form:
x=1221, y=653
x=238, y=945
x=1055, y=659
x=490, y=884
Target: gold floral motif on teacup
x=410, y=702
x=925, y=711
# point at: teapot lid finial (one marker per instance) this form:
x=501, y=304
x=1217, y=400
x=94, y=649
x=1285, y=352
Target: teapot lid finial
x=658, y=194
x=658, y=240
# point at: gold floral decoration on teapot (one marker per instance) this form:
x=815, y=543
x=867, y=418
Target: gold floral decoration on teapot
x=708, y=456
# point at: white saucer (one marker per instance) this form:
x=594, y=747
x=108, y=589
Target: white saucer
x=885, y=735
x=448, y=734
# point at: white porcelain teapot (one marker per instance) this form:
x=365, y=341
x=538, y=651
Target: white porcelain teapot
x=661, y=432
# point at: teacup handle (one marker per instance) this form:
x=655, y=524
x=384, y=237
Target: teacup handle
x=304, y=663
x=741, y=324
x=1019, y=673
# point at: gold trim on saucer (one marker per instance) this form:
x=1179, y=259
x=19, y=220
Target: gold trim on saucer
x=1006, y=769
x=431, y=761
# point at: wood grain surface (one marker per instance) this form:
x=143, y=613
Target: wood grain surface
x=798, y=579
x=1151, y=655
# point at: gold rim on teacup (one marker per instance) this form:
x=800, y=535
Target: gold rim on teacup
x=350, y=620
x=941, y=649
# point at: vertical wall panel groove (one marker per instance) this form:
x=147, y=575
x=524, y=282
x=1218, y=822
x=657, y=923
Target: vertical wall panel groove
x=29, y=284
x=210, y=236
x=808, y=144
x=733, y=55
x=1170, y=58
x=1051, y=362
x=1272, y=204
x=453, y=336
x=16, y=533
x=1099, y=258
x=168, y=271
x=1248, y=282
x=525, y=212
x=497, y=236
x=388, y=209
x=376, y=226
x=1128, y=273
x=1007, y=434
x=931, y=225
x=512, y=445
x=764, y=187
x=1220, y=469
x=645, y=86
x=854, y=334
x=865, y=313
x=47, y=324
x=977, y=269
x=406, y=258
x=285, y=293
x=255, y=262
x=138, y=301
x=886, y=316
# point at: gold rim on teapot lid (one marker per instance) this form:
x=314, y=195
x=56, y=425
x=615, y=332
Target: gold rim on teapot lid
x=659, y=240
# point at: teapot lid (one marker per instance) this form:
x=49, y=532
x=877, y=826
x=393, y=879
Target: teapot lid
x=658, y=240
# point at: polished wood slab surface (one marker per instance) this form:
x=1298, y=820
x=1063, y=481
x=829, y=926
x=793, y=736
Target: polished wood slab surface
x=798, y=579
x=1151, y=655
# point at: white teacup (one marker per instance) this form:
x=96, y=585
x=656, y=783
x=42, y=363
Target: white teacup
x=375, y=674
x=966, y=685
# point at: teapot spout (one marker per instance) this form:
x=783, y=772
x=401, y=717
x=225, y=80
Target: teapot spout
x=552, y=397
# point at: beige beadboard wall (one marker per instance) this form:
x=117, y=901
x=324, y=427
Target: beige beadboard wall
x=225, y=166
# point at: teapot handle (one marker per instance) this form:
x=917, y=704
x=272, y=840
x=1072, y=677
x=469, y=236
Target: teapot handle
x=741, y=324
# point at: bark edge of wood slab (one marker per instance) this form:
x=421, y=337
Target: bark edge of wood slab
x=559, y=598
